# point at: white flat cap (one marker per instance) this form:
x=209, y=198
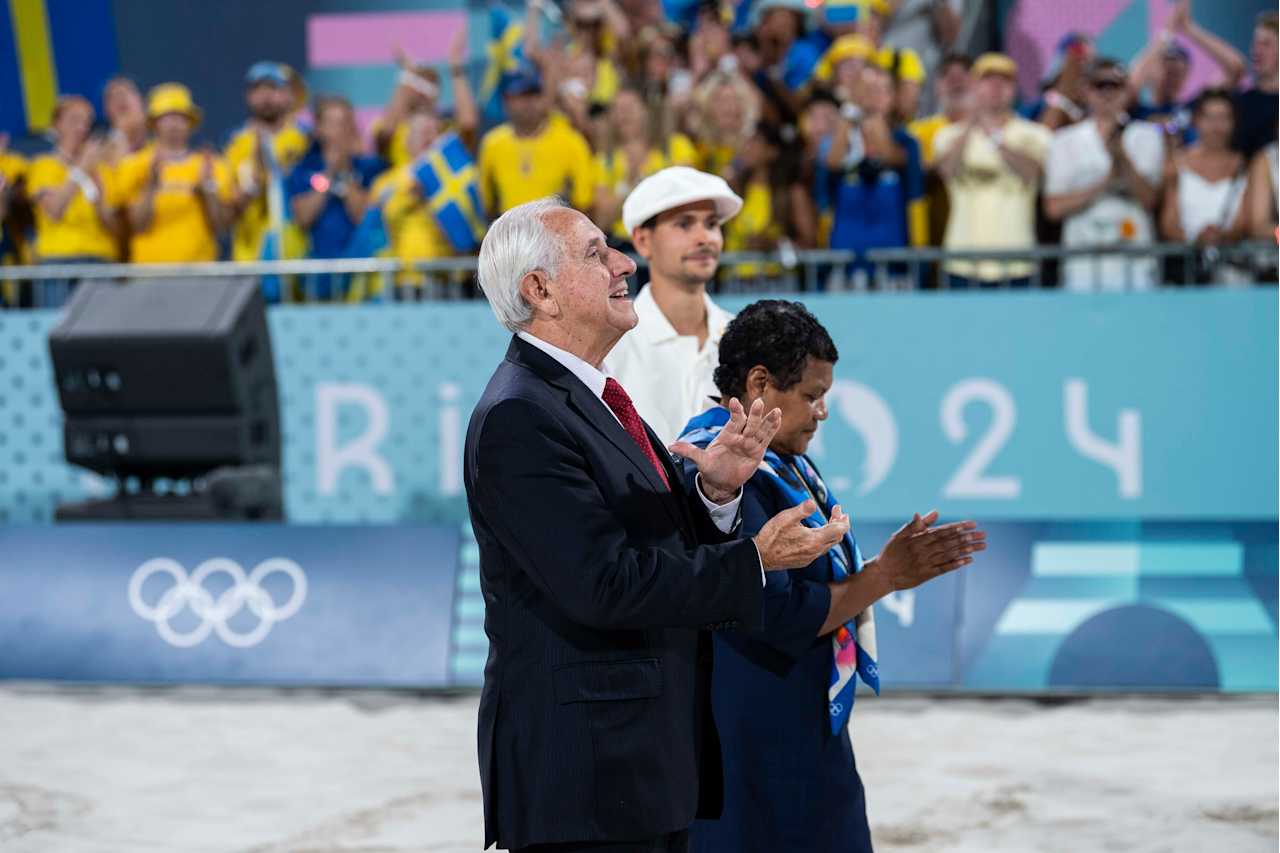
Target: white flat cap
x=675, y=187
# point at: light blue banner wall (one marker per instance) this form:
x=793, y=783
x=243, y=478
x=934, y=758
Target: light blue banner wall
x=1056, y=405
x=1000, y=406
x=1049, y=606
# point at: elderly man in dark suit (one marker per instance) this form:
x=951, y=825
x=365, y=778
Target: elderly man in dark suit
x=600, y=571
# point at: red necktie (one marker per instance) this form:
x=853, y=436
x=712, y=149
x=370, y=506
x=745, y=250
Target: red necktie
x=617, y=400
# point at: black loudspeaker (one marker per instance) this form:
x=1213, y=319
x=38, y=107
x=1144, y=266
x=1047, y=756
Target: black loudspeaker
x=167, y=378
x=171, y=379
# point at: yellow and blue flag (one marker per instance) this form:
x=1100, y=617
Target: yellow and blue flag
x=277, y=217
x=506, y=55
x=48, y=48
x=451, y=186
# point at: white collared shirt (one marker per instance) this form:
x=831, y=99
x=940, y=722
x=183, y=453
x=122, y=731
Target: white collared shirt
x=722, y=515
x=669, y=378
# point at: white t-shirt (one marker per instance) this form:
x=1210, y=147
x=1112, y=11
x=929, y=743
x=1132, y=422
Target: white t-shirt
x=1078, y=159
x=666, y=375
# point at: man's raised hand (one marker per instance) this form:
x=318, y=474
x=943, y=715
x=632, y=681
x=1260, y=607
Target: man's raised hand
x=786, y=543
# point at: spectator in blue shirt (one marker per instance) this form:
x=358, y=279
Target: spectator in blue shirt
x=877, y=179
x=328, y=189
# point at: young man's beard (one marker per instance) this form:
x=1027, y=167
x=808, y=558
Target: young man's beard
x=269, y=115
x=688, y=277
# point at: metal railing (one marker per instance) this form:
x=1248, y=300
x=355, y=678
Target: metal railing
x=1115, y=267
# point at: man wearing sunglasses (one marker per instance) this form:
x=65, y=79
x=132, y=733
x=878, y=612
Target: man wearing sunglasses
x=1101, y=179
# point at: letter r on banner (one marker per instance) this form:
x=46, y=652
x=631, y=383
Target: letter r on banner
x=362, y=451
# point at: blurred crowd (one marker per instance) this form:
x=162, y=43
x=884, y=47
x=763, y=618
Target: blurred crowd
x=852, y=124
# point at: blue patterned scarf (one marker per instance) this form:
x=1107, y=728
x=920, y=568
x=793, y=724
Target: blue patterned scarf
x=853, y=644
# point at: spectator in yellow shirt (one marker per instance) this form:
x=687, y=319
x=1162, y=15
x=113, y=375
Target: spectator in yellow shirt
x=536, y=153
x=594, y=30
x=417, y=90
x=127, y=115
x=66, y=188
x=412, y=230
x=177, y=199
x=260, y=156
x=635, y=148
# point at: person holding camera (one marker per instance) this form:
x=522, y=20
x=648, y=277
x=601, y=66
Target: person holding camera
x=877, y=181
x=329, y=188
x=1101, y=181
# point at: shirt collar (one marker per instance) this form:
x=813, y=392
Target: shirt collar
x=655, y=328
x=587, y=374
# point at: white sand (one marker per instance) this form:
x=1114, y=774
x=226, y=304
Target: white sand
x=89, y=770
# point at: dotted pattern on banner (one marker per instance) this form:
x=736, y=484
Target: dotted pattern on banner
x=34, y=475
x=420, y=367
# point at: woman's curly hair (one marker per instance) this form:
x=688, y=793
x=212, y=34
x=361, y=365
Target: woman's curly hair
x=777, y=334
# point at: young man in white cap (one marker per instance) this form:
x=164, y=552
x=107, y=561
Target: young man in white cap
x=674, y=218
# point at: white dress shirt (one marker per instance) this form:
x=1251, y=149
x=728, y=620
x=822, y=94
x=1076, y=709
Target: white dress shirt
x=667, y=375
x=722, y=515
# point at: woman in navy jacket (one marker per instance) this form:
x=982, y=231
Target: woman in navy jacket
x=782, y=693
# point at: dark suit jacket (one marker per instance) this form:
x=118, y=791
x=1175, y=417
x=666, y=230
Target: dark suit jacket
x=595, y=720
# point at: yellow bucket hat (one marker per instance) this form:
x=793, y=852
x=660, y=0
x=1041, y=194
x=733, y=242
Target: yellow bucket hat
x=172, y=98
x=994, y=63
x=850, y=46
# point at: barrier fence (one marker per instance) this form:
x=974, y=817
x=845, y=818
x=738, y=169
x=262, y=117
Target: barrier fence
x=1121, y=267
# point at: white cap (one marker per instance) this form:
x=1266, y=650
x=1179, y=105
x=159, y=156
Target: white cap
x=675, y=187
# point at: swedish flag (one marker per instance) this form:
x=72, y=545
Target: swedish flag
x=52, y=47
x=451, y=186
x=506, y=54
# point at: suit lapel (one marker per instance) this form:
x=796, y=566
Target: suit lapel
x=593, y=410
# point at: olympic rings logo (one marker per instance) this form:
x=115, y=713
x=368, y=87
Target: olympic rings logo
x=214, y=614
x=835, y=708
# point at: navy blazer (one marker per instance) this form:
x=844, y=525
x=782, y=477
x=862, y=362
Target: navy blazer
x=789, y=783
x=595, y=718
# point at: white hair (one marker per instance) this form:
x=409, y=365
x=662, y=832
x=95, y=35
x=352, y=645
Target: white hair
x=518, y=242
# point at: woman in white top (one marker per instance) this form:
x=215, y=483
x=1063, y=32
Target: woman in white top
x=1204, y=186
